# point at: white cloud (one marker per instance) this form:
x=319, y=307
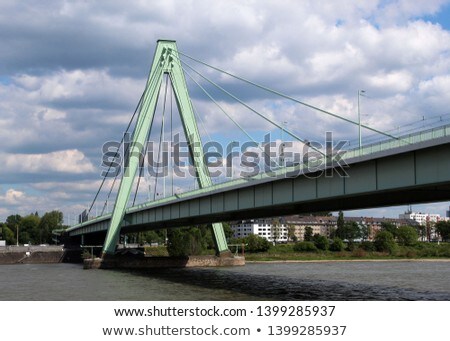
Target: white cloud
x=66, y=161
x=13, y=197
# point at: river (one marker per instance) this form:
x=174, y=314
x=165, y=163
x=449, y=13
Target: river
x=281, y=281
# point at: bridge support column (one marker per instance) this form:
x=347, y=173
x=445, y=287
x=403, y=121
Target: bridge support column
x=166, y=61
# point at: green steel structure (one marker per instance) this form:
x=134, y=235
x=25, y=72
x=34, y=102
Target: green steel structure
x=165, y=61
x=415, y=169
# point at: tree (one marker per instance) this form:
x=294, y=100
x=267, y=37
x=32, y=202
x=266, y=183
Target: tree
x=227, y=230
x=340, y=220
x=8, y=235
x=151, y=237
x=321, y=242
x=422, y=231
x=407, y=235
x=255, y=243
x=384, y=242
x=50, y=221
x=29, y=229
x=291, y=233
x=443, y=228
x=275, y=230
x=348, y=231
x=185, y=242
x=13, y=223
x=308, y=235
x=390, y=227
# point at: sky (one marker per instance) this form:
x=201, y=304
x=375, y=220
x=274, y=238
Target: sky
x=72, y=73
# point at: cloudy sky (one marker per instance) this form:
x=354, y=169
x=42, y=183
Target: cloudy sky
x=72, y=72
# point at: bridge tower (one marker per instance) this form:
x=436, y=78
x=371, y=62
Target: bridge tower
x=165, y=61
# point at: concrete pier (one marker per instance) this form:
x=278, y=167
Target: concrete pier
x=142, y=262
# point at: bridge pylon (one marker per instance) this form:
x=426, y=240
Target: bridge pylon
x=165, y=61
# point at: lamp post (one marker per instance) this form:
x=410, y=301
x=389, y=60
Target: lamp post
x=360, y=93
x=283, y=127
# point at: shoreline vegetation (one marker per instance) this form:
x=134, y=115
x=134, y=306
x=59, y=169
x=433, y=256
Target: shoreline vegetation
x=285, y=253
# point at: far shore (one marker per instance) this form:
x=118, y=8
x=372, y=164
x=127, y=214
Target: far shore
x=444, y=260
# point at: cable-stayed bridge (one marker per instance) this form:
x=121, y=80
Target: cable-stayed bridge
x=395, y=169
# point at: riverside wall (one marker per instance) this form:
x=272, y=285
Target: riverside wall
x=32, y=255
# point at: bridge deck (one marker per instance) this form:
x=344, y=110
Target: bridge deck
x=414, y=168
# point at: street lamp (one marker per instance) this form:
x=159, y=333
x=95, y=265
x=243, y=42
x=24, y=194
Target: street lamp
x=360, y=93
x=283, y=127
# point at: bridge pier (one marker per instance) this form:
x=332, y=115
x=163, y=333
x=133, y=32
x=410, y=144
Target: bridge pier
x=130, y=261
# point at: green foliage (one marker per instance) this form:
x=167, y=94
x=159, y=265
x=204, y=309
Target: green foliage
x=384, y=242
x=256, y=243
x=149, y=237
x=13, y=220
x=50, y=221
x=29, y=230
x=407, y=236
x=367, y=246
x=33, y=229
x=337, y=245
x=185, y=242
x=443, y=228
x=8, y=235
x=321, y=242
x=390, y=227
x=305, y=247
x=308, y=235
x=340, y=220
x=348, y=231
x=227, y=230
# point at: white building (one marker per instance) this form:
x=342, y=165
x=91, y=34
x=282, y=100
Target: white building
x=427, y=221
x=422, y=218
x=266, y=228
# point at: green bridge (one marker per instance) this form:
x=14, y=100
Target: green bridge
x=407, y=169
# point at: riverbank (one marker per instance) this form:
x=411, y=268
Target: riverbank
x=286, y=252
x=32, y=257
x=443, y=260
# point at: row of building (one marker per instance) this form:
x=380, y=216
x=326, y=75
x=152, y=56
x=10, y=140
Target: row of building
x=282, y=229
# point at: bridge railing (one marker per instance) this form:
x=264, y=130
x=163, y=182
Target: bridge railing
x=404, y=140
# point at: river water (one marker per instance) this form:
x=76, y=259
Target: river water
x=270, y=281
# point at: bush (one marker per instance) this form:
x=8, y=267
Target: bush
x=384, y=242
x=337, y=245
x=367, y=246
x=350, y=245
x=305, y=247
x=255, y=243
x=407, y=235
x=321, y=242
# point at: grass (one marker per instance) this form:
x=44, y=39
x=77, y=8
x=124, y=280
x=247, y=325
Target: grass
x=283, y=252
